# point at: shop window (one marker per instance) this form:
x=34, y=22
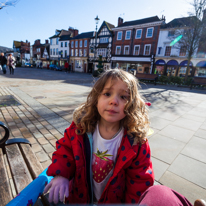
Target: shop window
x=118, y=50
x=200, y=72
x=167, y=50
x=78, y=63
x=182, y=51
x=126, y=50
x=136, y=49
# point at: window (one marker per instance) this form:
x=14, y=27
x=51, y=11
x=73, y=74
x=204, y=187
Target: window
x=72, y=52
x=80, y=43
x=61, y=53
x=167, y=50
x=65, y=53
x=118, y=50
x=76, y=44
x=57, y=40
x=85, y=43
x=136, y=49
x=50, y=41
x=53, y=51
x=50, y=51
x=171, y=33
x=85, y=52
x=119, y=35
x=61, y=44
x=78, y=63
x=65, y=44
x=72, y=44
x=76, y=52
x=102, y=51
x=182, y=51
x=38, y=50
x=147, y=49
x=80, y=52
x=104, y=40
x=128, y=34
x=57, y=52
x=159, y=50
x=149, y=32
x=126, y=50
x=104, y=31
x=138, y=34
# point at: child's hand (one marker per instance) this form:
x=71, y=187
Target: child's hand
x=59, y=187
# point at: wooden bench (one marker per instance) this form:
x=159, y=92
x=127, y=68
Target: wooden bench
x=19, y=166
x=150, y=77
x=198, y=81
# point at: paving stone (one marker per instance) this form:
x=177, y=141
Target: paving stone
x=42, y=156
x=32, y=140
x=58, y=135
x=165, y=115
x=203, y=126
x=189, y=190
x=159, y=123
x=42, y=141
x=53, y=142
x=49, y=136
x=165, y=148
x=187, y=124
x=48, y=148
x=46, y=164
x=193, y=117
x=159, y=168
x=27, y=134
x=178, y=133
x=38, y=135
x=196, y=149
x=189, y=169
x=36, y=147
x=201, y=133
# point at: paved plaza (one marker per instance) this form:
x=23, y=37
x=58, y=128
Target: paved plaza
x=46, y=100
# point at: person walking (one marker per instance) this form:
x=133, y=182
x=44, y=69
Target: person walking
x=3, y=62
x=66, y=66
x=11, y=63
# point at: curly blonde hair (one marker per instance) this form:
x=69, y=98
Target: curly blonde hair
x=136, y=120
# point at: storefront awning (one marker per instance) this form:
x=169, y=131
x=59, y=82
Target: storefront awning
x=160, y=62
x=184, y=63
x=201, y=64
x=172, y=63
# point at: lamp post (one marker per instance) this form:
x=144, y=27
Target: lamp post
x=95, y=46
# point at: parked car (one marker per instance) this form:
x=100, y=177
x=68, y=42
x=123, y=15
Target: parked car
x=28, y=65
x=53, y=67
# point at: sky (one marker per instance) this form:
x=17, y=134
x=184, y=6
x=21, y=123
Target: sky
x=38, y=19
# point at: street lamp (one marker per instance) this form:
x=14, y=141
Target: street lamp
x=95, y=46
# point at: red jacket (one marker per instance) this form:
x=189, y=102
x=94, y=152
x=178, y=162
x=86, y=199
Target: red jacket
x=132, y=174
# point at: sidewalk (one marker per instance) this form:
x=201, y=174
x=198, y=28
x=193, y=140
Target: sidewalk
x=178, y=117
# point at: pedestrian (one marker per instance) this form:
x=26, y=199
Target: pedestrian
x=40, y=65
x=107, y=141
x=11, y=63
x=66, y=66
x=3, y=62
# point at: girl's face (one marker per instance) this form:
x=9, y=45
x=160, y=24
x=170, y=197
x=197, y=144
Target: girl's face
x=112, y=101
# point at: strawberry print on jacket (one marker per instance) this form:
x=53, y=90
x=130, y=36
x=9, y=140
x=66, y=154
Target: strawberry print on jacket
x=101, y=165
x=132, y=174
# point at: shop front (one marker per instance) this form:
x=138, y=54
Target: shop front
x=183, y=68
x=200, y=69
x=159, y=67
x=79, y=64
x=172, y=68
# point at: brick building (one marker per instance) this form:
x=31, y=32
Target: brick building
x=135, y=44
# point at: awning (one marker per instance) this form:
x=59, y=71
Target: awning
x=172, y=63
x=201, y=64
x=160, y=62
x=184, y=63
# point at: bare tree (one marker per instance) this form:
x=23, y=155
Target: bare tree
x=8, y=3
x=190, y=35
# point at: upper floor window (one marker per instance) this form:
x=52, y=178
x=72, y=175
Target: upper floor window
x=38, y=50
x=182, y=51
x=138, y=34
x=50, y=51
x=72, y=44
x=72, y=52
x=85, y=43
x=61, y=44
x=76, y=52
x=136, y=49
x=50, y=41
x=102, y=51
x=159, y=50
x=104, y=31
x=85, y=52
x=65, y=53
x=171, y=33
x=147, y=48
x=149, y=32
x=80, y=52
x=119, y=35
x=128, y=34
x=118, y=50
x=126, y=50
x=53, y=51
x=80, y=43
x=57, y=41
x=76, y=43
x=65, y=44
x=104, y=40
x=167, y=50
x=57, y=52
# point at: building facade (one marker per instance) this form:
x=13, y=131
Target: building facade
x=135, y=44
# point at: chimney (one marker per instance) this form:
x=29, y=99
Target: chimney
x=46, y=41
x=120, y=21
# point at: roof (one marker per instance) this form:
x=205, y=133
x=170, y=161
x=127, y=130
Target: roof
x=64, y=37
x=179, y=22
x=63, y=32
x=110, y=26
x=84, y=35
x=17, y=44
x=5, y=49
x=140, y=21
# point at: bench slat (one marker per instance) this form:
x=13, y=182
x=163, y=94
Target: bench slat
x=31, y=160
x=5, y=190
x=19, y=170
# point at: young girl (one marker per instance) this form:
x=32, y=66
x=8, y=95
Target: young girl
x=104, y=156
